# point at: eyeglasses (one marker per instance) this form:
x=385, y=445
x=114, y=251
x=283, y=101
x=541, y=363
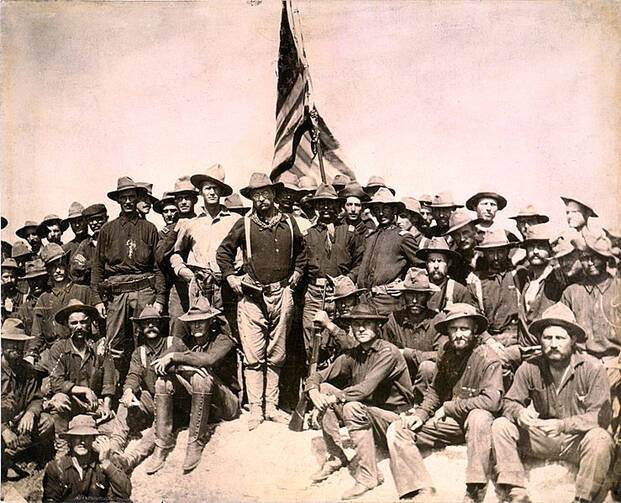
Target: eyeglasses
x=258, y=194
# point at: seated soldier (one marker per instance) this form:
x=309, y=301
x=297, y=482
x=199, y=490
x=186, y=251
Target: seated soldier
x=208, y=372
x=86, y=472
x=136, y=409
x=558, y=407
x=79, y=375
x=377, y=389
x=458, y=405
x=412, y=330
x=23, y=422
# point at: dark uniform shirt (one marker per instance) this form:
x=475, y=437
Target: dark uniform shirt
x=377, y=376
x=69, y=370
x=464, y=382
x=457, y=293
x=62, y=481
x=389, y=253
x=582, y=400
x=72, y=246
x=273, y=258
x=26, y=312
x=11, y=302
x=126, y=246
x=342, y=258
x=21, y=392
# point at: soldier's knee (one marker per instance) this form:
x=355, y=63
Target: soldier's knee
x=354, y=412
x=503, y=428
x=598, y=440
x=45, y=425
x=164, y=385
x=202, y=383
x=479, y=419
x=426, y=370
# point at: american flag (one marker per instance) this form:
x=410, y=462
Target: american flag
x=293, y=146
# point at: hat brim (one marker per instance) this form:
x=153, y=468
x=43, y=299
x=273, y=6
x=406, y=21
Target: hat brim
x=480, y=321
x=81, y=431
x=364, y=197
x=198, y=316
x=198, y=180
x=158, y=318
x=34, y=274
x=490, y=246
x=445, y=205
x=424, y=252
x=456, y=227
x=571, y=199
x=332, y=298
x=540, y=219
x=42, y=231
x=369, y=188
x=326, y=197
x=16, y=337
x=21, y=232
x=536, y=327
x=369, y=316
x=370, y=204
x=159, y=206
x=114, y=194
x=63, y=313
x=246, y=191
x=471, y=203
x=192, y=192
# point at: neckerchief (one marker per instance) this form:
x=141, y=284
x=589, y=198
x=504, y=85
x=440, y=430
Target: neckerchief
x=272, y=222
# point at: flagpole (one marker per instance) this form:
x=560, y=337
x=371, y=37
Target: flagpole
x=315, y=137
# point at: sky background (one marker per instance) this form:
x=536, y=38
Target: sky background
x=431, y=95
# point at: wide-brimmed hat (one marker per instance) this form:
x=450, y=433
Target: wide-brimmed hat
x=412, y=205
x=95, y=209
x=29, y=224
x=183, y=185
x=376, y=182
x=50, y=220
x=289, y=181
x=339, y=181
x=213, y=174
x=444, y=199
x=258, y=181
x=201, y=310
x=13, y=330
x=483, y=192
x=461, y=310
x=496, y=238
x=148, y=191
x=307, y=183
x=76, y=210
x=460, y=218
x=558, y=315
x=325, y=191
x=599, y=244
x=435, y=244
x=51, y=252
x=82, y=425
x=149, y=313
x=166, y=200
x=562, y=247
x=588, y=207
x=343, y=287
x=529, y=211
x=124, y=183
x=613, y=232
x=364, y=311
x=354, y=189
x=539, y=232
x=416, y=280
x=425, y=199
x=34, y=269
x=75, y=306
x=384, y=196
x=234, y=202
x=9, y=263
x=21, y=250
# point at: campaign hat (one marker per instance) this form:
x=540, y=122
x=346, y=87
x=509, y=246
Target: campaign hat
x=460, y=218
x=183, y=185
x=82, y=425
x=49, y=220
x=384, y=196
x=458, y=311
x=76, y=210
x=529, y=211
x=124, y=183
x=558, y=315
x=354, y=189
x=13, y=330
x=258, y=181
x=234, y=202
x=149, y=313
x=416, y=280
x=325, y=191
x=376, y=181
x=51, y=252
x=364, y=311
x=290, y=181
x=412, y=205
x=425, y=199
x=444, y=199
x=9, y=263
x=214, y=174
x=3, y=222
x=339, y=181
x=21, y=250
x=483, y=192
x=496, y=238
x=148, y=188
x=588, y=207
x=436, y=244
x=343, y=287
x=34, y=269
x=167, y=199
x=539, y=232
x=201, y=310
x=95, y=209
x=29, y=224
x=599, y=244
x=307, y=183
x=75, y=306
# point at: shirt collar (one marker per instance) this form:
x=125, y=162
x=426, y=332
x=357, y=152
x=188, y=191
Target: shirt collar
x=132, y=219
x=224, y=212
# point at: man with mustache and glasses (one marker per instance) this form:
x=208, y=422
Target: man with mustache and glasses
x=79, y=376
x=459, y=405
x=558, y=407
x=87, y=472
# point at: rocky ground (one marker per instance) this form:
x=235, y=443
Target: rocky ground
x=274, y=464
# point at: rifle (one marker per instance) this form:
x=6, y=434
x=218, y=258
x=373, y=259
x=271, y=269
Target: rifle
x=297, y=418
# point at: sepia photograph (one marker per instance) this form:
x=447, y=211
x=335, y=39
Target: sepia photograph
x=310, y=251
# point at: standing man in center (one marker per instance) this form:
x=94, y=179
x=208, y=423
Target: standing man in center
x=274, y=261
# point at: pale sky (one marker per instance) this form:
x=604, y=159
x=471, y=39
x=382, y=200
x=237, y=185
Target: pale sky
x=432, y=95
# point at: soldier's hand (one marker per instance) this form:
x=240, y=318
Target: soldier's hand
x=551, y=427
x=186, y=274
x=440, y=414
x=321, y=318
x=59, y=403
x=26, y=424
x=103, y=446
x=411, y=422
x=101, y=309
x=235, y=282
x=320, y=401
x=295, y=279
x=160, y=364
x=9, y=437
x=528, y=418
x=128, y=397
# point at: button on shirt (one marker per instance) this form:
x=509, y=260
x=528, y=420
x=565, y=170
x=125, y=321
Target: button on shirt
x=377, y=376
x=198, y=239
x=582, y=400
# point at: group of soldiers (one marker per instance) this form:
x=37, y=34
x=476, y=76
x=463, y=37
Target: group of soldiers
x=423, y=324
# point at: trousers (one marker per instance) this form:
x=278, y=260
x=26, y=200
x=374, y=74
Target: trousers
x=591, y=451
x=406, y=462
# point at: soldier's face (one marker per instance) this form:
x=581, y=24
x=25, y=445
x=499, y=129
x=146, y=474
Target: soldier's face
x=150, y=328
x=384, y=213
x=353, y=208
x=211, y=193
x=170, y=214
x=437, y=267
x=345, y=306
x=538, y=253
x=78, y=226
x=8, y=278
x=54, y=233
x=525, y=223
x=185, y=203
x=143, y=205
x=200, y=328
x=403, y=221
x=13, y=351
x=576, y=215
x=34, y=240
x=426, y=214
x=57, y=270
x=592, y=263
x=365, y=331
x=37, y=285
x=81, y=445
x=96, y=222
x=486, y=209
x=287, y=198
x=442, y=216
x=128, y=199
x=416, y=302
x=461, y=333
x=327, y=210
x=263, y=199
x=79, y=325
x=570, y=264
x=556, y=344
x=465, y=238
x=496, y=258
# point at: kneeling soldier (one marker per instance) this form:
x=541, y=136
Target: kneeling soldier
x=558, y=407
x=208, y=372
x=458, y=405
x=378, y=388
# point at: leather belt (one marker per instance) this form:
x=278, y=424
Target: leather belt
x=130, y=286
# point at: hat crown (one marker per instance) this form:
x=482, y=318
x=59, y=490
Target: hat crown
x=495, y=237
x=444, y=198
x=125, y=183
x=148, y=313
x=460, y=310
x=416, y=279
x=183, y=184
x=216, y=171
x=29, y=223
x=376, y=181
x=167, y=196
x=354, y=189
x=75, y=210
x=49, y=218
x=411, y=204
x=343, y=286
x=425, y=199
x=201, y=310
x=258, y=180
x=460, y=217
x=289, y=178
x=341, y=179
x=383, y=195
x=9, y=263
x=35, y=265
x=600, y=244
x=435, y=244
x=82, y=421
x=325, y=191
x=539, y=232
x=94, y=209
x=363, y=310
x=146, y=186
x=528, y=211
x=559, y=311
x=233, y=201
x=13, y=326
x=51, y=252
x=307, y=182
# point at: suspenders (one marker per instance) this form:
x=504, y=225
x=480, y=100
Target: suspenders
x=143, y=351
x=248, y=243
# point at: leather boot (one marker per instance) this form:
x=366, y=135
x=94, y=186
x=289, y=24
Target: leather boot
x=198, y=432
x=254, y=390
x=272, y=413
x=164, y=441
